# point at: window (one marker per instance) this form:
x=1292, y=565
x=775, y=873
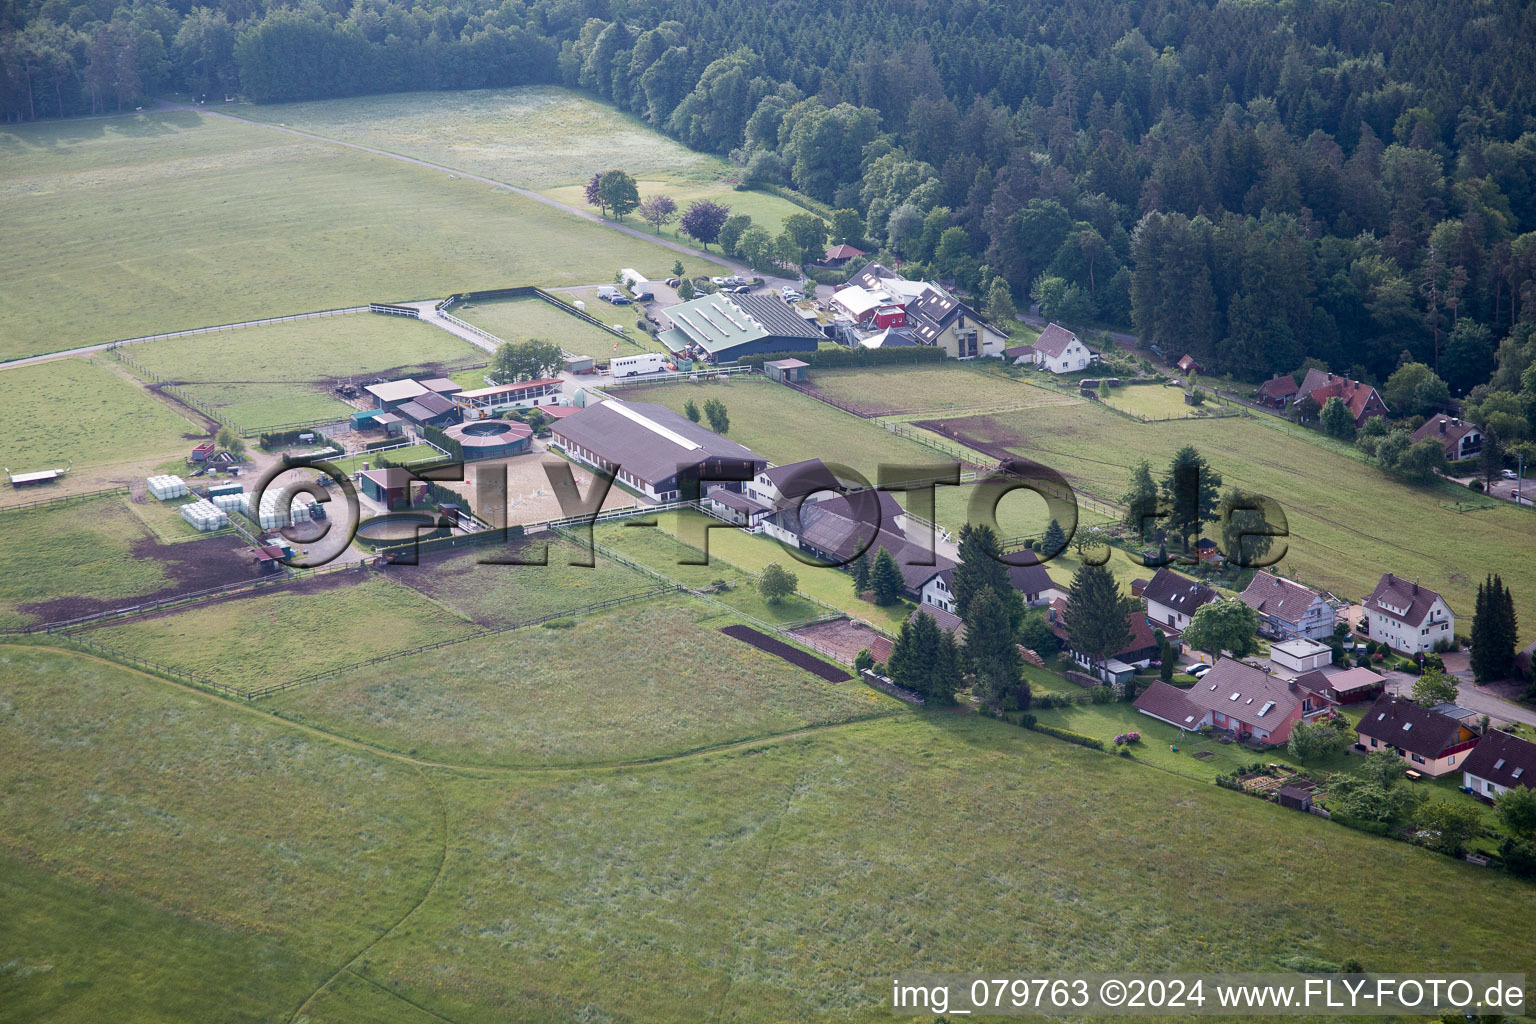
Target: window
x=1417, y=759
x=1373, y=741
x=1451, y=759
x=1498, y=764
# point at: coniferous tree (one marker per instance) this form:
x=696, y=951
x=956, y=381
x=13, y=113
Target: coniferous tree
x=859, y=567
x=1494, y=628
x=1097, y=613
x=1141, y=502
x=885, y=578
x=1192, y=489
x=981, y=568
x=990, y=648
x=1054, y=542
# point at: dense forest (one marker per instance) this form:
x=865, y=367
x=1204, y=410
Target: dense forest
x=1258, y=183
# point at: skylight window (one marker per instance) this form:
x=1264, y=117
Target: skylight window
x=1265, y=709
x=1407, y=726
x=1233, y=697
x=1519, y=772
x=1498, y=764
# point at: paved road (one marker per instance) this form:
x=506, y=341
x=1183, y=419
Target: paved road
x=1472, y=697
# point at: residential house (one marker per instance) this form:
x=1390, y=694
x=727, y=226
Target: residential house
x=1189, y=364
x=1362, y=400
x=1236, y=698
x=938, y=318
x=1172, y=600
x=1286, y=609
x=1020, y=355
x=838, y=255
x=1343, y=685
x=652, y=450
x=1031, y=581
x=1278, y=391
x=1119, y=665
x=949, y=622
x=1059, y=351
x=1408, y=617
x=808, y=479
x=1428, y=742
x=1460, y=439
x=839, y=529
x=1499, y=763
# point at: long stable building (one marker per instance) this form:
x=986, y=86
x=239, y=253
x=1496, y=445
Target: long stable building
x=483, y=402
x=653, y=450
x=722, y=328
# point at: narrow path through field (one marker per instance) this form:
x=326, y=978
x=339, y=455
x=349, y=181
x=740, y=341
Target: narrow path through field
x=437, y=876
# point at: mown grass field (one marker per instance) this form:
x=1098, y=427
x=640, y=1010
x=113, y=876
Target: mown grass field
x=1158, y=402
x=640, y=681
x=522, y=319
x=277, y=374
x=534, y=136
x=759, y=883
x=766, y=210
x=163, y=221
x=169, y=858
x=278, y=634
x=931, y=390
x=98, y=553
x=85, y=412
x=498, y=594
x=1349, y=522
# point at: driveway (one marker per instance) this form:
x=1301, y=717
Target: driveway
x=1472, y=697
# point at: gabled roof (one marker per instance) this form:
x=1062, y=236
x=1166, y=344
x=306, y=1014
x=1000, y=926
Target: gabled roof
x=1402, y=723
x=870, y=276
x=1142, y=637
x=1238, y=690
x=797, y=479
x=648, y=441
x=843, y=252
x=1504, y=760
x=949, y=622
x=1402, y=600
x=388, y=477
x=1281, y=386
x=1189, y=363
x=1180, y=593
x=1320, y=385
x=1170, y=704
x=1019, y=350
x=1277, y=596
x=1053, y=341
x=943, y=308
x=441, y=385
x=720, y=322
x=1448, y=430
x=737, y=502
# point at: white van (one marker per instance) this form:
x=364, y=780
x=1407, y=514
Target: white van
x=633, y=366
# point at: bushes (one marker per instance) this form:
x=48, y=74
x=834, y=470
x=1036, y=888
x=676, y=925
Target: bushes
x=443, y=441
x=1068, y=735
x=1102, y=695
x=283, y=438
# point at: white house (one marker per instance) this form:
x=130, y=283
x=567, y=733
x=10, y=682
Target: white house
x=809, y=479
x=1172, y=600
x=1059, y=350
x=1499, y=762
x=1407, y=617
x=1032, y=582
x=1288, y=610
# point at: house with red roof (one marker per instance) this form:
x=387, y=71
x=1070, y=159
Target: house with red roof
x=1287, y=610
x=1278, y=391
x=1060, y=351
x=1408, y=617
x=1361, y=399
x=1120, y=665
x=1236, y=698
x=1460, y=439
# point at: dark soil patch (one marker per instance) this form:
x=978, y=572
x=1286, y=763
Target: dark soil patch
x=1204, y=755
x=192, y=566
x=984, y=433
x=780, y=649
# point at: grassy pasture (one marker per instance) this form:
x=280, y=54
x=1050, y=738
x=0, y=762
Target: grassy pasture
x=1349, y=522
x=176, y=859
x=931, y=390
x=163, y=221
x=640, y=681
x=534, y=136
x=1156, y=402
x=496, y=595
x=767, y=885
x=84, y=411
x=766, y=210
x=278, y=634
x=99, y=553
x=277, y=374
x=522, y=319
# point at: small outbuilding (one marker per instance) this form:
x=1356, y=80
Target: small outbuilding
x=389, y=486
x=1294, y=797
x=1300, y=655
x=786, y=371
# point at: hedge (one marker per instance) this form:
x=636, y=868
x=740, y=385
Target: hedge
x=283, y=438
x=1029, y=722
x=836, y=358
x=440, y=438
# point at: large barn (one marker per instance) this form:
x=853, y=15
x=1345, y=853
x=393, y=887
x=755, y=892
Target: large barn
x=654, y=450
x=722, y=328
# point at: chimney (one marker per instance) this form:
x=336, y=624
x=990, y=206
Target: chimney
x=1415, y=586
x=1442, y=426
x=1292, y=686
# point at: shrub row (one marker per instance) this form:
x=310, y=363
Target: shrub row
x=283, y=438
x=1029, y=722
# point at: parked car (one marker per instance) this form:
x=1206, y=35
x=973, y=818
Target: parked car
x=791, y=295
x=620, y=300
x=1508, y=474
x=1199, y=670
x=719, y=280
x=673, y=282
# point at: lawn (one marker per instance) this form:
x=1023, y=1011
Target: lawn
x=1349, y=522
x=766, y=210
x=777, y=881
x=279, y=374
x=931, y=389
x=164, y=221
x=638, y=682
x=522, y=319
x=499, y=594
x=86, y=412
x=783, y=883
x=86, y=556
x=166, y=857
x=1160, y=402
x=273, y=635
x=406, y=455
